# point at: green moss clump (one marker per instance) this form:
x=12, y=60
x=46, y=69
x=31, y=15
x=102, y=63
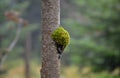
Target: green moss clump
x=61, y=36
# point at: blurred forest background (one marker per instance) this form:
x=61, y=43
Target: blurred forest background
x=94, y=26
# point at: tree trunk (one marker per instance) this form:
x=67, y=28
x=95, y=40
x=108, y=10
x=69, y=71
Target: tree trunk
x=50, y=21
x=27, y=55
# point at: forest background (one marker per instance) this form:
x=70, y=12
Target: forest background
x=94, y=50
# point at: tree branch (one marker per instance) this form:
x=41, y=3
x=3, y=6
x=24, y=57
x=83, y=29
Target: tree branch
x=11, y=46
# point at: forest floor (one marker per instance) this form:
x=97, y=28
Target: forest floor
x=16, y=69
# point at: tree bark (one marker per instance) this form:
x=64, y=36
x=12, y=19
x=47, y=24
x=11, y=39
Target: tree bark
x=50, y=21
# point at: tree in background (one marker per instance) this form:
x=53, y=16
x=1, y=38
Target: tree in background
x=28, y=47
x=11, y=31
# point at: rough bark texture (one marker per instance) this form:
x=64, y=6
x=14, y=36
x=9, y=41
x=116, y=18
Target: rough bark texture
x=50, y=21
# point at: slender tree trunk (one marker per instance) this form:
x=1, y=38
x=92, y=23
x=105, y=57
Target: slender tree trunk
x=50, y=21
x=0, y=51
x=27, y=55
x=0, y=41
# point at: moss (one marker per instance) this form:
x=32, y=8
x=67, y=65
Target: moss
x=61, y=36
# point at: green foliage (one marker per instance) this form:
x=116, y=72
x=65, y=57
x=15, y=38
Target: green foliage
x=96, y=43
x=3, y=6
x=61, y=36
x=21, y=7
x=9, y=28
x=106, y=13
